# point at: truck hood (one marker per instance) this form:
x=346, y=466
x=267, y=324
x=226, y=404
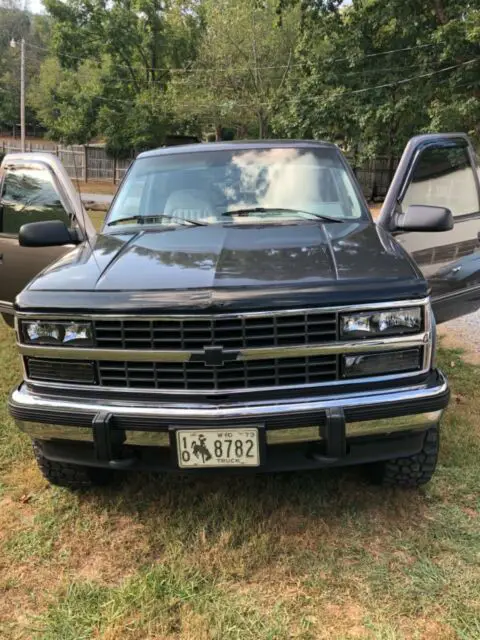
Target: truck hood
x=231, y=265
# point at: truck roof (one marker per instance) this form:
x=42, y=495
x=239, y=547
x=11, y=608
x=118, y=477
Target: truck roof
x=235, y=144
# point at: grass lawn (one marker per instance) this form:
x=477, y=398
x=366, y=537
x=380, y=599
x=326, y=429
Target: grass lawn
x=311, y=555
x=107, y=188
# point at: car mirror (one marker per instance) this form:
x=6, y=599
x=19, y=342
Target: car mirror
x=51, y=233
x=420, y=217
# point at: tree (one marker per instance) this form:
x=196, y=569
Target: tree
x=349, y=88
x=66, y=101
x=16, y=24
x=243, y=61
x=121, y=52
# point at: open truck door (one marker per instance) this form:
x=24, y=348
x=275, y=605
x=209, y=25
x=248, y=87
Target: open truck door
x=440, y=171
x=34, y=187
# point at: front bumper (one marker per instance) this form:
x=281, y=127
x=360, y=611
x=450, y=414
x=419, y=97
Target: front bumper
x=334, y=430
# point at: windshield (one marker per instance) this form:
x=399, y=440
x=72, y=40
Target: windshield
x=240, y=186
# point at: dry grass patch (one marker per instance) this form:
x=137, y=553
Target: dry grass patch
x=311, y=555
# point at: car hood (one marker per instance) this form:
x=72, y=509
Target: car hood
x=223, y=265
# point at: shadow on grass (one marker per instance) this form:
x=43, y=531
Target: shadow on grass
x=272, y=514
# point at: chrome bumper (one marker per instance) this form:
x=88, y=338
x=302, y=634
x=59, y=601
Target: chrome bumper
x=364, y=414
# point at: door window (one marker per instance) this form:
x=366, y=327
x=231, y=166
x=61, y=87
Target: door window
x=443, y=177
x=29, y=195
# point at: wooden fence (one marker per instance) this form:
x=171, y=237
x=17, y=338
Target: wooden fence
x=90, y=163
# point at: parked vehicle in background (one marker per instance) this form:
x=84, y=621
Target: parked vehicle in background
x=240, y=309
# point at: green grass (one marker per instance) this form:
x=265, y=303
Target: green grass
x=97, y=218
x=311, y=555
x=161, y=601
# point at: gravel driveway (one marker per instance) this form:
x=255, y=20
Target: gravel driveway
x=465, y=330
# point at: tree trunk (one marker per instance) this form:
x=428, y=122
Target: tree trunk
x=440, y=12
x=242, y=132
x=218, y=132
x=262, y=126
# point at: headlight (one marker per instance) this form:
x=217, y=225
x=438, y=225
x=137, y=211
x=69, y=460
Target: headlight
x=381, y=323
x=375, y=364
x=44, y=332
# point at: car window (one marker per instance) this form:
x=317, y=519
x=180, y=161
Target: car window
x=130, y=198
x=443, y=177
x=205, y=185
x=29, y=195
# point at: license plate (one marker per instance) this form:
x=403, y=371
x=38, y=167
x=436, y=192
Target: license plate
x=219, y=448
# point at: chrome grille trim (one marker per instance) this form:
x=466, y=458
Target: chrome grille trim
x=143, y=355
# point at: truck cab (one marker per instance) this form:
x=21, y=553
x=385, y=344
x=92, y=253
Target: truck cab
x=239, y=310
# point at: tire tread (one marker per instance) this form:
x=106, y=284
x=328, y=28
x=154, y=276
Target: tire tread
x=415, y=470
x=65, y=474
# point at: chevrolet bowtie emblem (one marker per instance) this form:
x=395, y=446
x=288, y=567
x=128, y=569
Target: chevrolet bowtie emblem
x=214, y=356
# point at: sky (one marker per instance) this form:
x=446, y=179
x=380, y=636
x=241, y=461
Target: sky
x=35, y=5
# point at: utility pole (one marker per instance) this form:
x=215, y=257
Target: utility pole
x=22, y=94
x=22, y=89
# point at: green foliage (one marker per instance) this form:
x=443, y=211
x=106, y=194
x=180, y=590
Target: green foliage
x=65, y=100
x=243, y=61
x=366, y=74
x=348, y=89
x=15, y=25
x=113, y=70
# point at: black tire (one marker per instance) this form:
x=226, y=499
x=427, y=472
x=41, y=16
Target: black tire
x=66, y=474
x=413, y=471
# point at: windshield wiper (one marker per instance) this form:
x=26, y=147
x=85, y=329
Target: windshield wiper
x=269, y=210
x=156, y=218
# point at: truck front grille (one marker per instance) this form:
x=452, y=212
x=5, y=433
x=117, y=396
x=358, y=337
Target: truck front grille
x=241, y=332
x=189, y=354
x=192, y=376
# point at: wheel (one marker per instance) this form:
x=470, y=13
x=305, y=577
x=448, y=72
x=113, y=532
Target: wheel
x=66, y=474
x=413, y=471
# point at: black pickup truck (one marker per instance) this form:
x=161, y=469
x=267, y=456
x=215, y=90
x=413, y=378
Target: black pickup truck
x=240, y=309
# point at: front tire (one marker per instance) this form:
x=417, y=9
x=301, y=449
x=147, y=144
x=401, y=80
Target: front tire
x=66, y=474
x=413, y=471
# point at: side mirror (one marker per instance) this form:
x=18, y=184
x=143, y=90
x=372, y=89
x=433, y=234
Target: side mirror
x=52, y=233
x=419, y=217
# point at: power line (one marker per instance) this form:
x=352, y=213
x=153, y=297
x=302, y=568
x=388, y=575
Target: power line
x=234, y=103
x=190, y=70
x=384, y=53
x=358, y=72
x=420, y=76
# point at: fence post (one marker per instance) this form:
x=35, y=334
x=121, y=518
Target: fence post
x=114, y=170
x=85, y=162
